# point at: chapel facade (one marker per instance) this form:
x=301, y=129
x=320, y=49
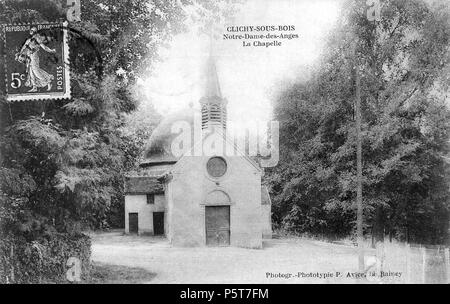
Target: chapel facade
x=198, y=199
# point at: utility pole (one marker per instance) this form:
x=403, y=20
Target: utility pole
x=359, y=212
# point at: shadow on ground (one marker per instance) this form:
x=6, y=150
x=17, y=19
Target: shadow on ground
x=102, y=273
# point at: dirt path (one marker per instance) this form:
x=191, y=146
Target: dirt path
x=228, y=264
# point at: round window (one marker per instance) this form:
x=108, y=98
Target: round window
x=216, y=167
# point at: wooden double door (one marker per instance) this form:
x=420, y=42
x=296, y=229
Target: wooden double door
x=217, y=222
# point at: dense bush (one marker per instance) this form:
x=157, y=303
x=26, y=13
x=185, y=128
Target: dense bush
x=43, y=260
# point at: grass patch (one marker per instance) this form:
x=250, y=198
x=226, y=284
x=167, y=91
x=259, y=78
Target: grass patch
x=115, y=274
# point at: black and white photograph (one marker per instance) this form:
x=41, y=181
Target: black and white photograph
x=203, y=143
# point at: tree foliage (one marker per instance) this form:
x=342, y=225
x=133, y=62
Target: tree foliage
x=404, y=65
x=63, y=161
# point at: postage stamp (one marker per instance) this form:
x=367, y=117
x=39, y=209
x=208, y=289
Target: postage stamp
x=36, y=61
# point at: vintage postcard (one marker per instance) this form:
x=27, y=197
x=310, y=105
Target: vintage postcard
x=224, y=142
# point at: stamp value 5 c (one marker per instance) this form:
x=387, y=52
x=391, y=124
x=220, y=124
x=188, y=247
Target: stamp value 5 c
x=36, y=59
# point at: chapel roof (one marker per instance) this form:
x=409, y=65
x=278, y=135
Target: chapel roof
x=158, y=149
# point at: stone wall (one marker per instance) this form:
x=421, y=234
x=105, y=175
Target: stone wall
x=190, y=188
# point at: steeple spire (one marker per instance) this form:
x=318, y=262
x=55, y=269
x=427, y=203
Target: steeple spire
x=214, y=106
x=212, y=86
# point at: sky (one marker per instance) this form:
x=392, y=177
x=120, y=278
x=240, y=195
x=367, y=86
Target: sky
x=249, y=76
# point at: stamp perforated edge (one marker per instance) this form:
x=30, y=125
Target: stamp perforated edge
x=42, y=96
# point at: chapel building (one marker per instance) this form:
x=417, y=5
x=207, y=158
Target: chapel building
x=195, y=199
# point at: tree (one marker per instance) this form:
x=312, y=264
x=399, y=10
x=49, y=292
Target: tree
x=74, y=152
x=63, y=161
x=72, y=149
x=404, y=62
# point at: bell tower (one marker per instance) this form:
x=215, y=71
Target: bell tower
x=213, y=105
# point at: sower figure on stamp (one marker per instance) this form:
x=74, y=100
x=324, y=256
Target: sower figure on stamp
x=29, y=54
